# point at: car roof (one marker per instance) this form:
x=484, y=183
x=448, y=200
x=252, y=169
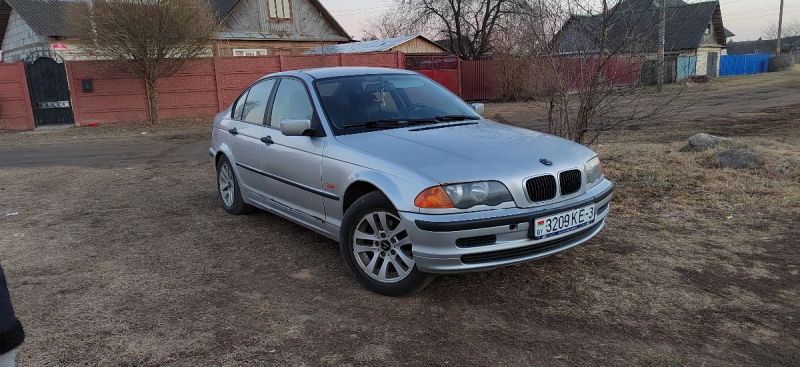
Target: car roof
x=329, y=72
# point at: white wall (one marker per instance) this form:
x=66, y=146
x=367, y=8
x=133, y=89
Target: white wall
x=21, y=40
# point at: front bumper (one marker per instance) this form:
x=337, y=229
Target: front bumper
x=461, y=243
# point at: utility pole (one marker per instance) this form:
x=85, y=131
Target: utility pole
x=662, y=23
x=780, y=21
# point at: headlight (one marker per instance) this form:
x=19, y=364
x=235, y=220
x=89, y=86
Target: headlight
x=594, y=171
x=464, y=196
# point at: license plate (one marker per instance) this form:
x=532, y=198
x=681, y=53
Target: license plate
x=557, y=224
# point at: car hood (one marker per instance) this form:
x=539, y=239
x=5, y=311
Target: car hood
x=470, y=150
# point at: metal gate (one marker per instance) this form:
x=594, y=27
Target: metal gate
x=47, y=82
x=442, y=69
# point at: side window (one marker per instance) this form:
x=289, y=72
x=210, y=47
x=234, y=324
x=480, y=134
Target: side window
x=291, y=102
x=237, y=110
x=256, y=103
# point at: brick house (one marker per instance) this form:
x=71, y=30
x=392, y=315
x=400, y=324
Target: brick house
x=246, y=28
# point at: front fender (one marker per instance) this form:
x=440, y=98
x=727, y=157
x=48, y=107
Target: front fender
x=401, y=192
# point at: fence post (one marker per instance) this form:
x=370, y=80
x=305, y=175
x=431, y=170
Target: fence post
x=26, y=92
x=458, y=69
x=281, y=62
x=218, y=82
x=73, y=95
x=401, y=60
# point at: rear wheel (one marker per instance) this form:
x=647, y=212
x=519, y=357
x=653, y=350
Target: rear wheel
x=376, y=247
x=228, y=188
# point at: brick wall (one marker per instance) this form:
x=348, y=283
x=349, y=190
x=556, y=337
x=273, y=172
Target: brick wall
x=202, y=88
x=15, y=102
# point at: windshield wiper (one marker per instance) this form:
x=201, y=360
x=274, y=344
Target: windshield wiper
x=456, y=118
x=390, y=123
x=374, y=123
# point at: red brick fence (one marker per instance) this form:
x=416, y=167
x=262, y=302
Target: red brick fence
x=202, y=88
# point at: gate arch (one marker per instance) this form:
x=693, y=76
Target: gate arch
x=47, y=82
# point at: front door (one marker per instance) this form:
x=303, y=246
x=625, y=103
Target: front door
x=711, y=68
x=49, y=90
x=297, y=185
x=246, y=129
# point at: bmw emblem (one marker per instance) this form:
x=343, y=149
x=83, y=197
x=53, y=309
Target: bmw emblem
x=545, y=162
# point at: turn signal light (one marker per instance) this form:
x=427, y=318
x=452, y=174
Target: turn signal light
x=433, y=197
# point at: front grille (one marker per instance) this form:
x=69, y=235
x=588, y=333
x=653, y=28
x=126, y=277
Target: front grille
x=476, y=241
x=541, y=188
x=521, y=252
x=570, y=181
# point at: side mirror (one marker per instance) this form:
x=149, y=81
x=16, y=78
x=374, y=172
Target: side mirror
x=478, y=107
x=296, y=127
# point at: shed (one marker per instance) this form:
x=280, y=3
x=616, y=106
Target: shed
x=410, y=45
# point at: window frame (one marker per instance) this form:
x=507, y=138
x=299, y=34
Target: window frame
x=268, y=109
x=316, y=124
x=244, y=50
x=274, y=3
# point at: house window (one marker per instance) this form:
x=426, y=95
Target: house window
x=708, y=29
x=279, y=9
x=249, y=52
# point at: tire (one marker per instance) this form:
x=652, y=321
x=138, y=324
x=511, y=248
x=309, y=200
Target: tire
x=228, y=189
x=380, y=256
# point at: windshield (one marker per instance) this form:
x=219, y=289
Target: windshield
x=367, y=102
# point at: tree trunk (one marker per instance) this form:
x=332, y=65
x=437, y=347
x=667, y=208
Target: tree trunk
x=152, y=95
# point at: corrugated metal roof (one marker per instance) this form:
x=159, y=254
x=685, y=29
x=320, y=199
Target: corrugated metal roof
x=365, y=46
x=637, y=30
x=45, y=17
x=293, y=37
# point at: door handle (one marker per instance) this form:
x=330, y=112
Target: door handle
x=233, y=131
x=267, y=140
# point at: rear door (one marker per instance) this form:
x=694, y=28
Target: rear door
x=294, y=163
x=246, y=129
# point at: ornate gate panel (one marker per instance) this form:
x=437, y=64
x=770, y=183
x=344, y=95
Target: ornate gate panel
x=47, y=82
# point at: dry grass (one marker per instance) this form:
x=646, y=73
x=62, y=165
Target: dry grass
x=105, y=132
x=139, y=265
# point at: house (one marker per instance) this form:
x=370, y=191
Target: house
x=246, y=28
x=409, y=45
x=695, y=37
x=274, y=27
x=788, y=45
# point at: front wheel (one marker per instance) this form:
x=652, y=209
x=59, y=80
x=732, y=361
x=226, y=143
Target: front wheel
x=376, y=247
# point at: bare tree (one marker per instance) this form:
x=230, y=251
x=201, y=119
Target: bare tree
x=586, y=68
x=390, y=24
x=467, y=25
x=148, y=38
x=790, y=33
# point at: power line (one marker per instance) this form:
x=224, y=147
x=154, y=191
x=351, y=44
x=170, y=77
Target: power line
x=762, y=16
x=758, y=11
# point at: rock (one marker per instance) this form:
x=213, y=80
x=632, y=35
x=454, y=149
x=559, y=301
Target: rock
x=740, y=158
x=700, y=142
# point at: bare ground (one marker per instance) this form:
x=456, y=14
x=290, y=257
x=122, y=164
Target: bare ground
x=128, y=262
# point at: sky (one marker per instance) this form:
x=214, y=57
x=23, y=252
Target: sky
x=745, y=18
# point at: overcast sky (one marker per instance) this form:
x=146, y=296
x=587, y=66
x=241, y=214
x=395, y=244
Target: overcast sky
x=745, y=18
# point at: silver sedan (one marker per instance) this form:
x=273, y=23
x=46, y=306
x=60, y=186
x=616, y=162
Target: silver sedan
x=410, y=180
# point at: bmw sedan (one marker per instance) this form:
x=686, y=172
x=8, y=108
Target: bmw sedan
x=410, y=180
